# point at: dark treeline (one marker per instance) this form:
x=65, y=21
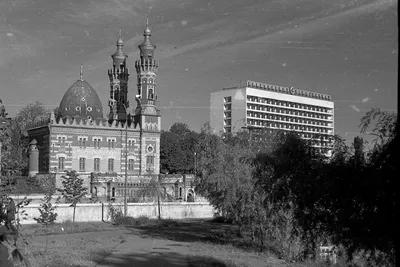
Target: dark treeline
x=288, y=197
x=14, y=137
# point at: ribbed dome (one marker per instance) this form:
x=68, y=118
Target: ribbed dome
x=147, y=48
x=81, y=100
x=119, y=57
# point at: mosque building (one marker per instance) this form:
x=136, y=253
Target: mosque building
x=103, y=150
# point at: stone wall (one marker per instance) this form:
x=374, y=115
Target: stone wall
x=99, y=211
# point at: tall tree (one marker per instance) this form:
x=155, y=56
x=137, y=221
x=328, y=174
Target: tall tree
x=177, y=149
x=31, y=113
x=73, y=190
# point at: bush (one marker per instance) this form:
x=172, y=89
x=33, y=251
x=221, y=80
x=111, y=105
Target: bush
x=117, y=216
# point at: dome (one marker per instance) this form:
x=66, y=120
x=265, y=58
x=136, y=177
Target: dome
x=147, y=48
x=81, y=100
x=119, y=57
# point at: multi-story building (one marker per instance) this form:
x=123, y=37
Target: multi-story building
x=270, y=107
x=104, y=151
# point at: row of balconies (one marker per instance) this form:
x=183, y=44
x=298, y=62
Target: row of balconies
x=292, y=113
x=291, y=127
x=294, y=106
x=294, y=121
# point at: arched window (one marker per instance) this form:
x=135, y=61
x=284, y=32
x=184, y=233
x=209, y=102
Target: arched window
x=180, y=192
x=95, y=191
x=113, y=192
x=151, y=94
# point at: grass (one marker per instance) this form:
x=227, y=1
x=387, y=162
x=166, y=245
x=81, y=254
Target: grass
x=66, y=227
x=72, y=250
x=89, y=243
x=209, y=254
x=208, y=243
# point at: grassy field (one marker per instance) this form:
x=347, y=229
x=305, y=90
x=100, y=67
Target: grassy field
x=69, y=244
x=86, y=244
x=211, y=244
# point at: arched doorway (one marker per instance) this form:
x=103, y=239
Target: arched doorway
x=190, y=196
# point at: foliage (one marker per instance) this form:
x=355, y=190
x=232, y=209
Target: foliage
x=31, y=113
x=47, y=209
x=177, y=149
x=292, y=198
x=73, y=190
x=154, y=191
x=14, y=147
x=14, y=137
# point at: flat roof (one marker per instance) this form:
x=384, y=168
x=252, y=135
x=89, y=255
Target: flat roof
x=281, y=89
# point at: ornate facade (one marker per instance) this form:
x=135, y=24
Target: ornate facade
x=100, y=149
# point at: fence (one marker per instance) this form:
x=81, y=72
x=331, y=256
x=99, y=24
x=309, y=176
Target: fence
x=98, y=212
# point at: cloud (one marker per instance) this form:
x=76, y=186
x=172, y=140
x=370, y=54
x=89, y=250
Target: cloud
x=355, y=108
x=184, y=22
x=365, y=100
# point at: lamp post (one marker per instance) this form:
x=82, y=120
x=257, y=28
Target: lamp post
x=126, y=163
x=195, y=164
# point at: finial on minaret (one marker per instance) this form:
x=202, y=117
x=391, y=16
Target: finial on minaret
x=120, y=42
x=81, y=74
x=147, y=30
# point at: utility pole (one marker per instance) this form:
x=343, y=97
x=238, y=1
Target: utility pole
x=126, y=163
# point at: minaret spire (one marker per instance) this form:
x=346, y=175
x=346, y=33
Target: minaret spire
x=81, y=74
x=146, y=69
x=118, y=76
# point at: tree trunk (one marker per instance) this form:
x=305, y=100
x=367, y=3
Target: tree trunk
x=159, y=206
x=261, y=228
x=253, y=236
x=73, y=215
x=47, y=233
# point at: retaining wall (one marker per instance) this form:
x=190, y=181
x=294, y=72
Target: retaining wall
x=99, y=211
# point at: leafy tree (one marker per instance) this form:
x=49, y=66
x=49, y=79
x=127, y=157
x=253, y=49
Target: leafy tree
x=177, y=149
x=47, y=209
x=31, y=113
x=154, y=190
x=3, y=113
x=73, y=190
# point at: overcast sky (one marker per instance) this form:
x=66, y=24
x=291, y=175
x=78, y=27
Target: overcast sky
x=345, y=48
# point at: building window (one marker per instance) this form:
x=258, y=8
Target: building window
x=131, y=144
x=82, y=142
x=111, y=143
x=150, y=162
x=131, y=163
x=61, y=164
x=96, y=143
x=110, y=165
x=61, y=140
x=227, y=99
x=96, y=166
x=82, y=162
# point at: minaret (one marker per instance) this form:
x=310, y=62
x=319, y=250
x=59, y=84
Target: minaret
x=147, y=115
x=119, y=76
x=146, y=69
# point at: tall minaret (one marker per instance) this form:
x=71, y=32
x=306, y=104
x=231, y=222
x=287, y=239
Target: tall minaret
x=146, y=69
x=119, y=76
x=147, y=115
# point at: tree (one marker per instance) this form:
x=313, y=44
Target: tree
x=47, y=209
x=73, y=190
x=177, y=149
x=3, y=113
x=153, y=190
x=31, y=113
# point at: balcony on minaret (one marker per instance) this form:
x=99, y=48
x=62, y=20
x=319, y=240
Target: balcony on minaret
x=144, y=65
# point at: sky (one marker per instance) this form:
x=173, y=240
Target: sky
x=345, y=48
